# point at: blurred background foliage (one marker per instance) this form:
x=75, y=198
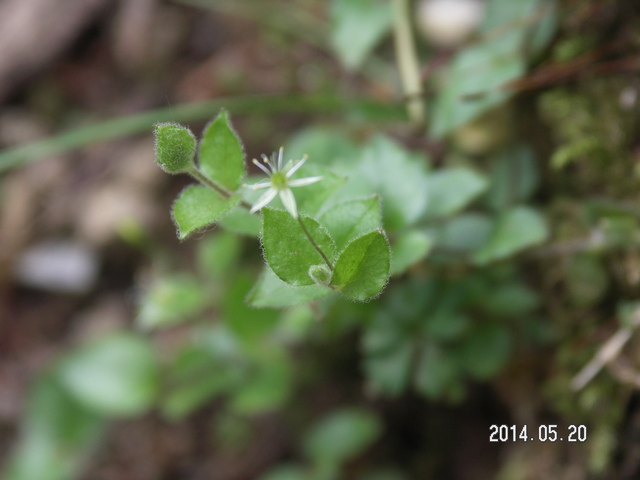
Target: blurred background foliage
x=502, y=137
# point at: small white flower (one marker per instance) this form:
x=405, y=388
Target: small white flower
x=280, y=182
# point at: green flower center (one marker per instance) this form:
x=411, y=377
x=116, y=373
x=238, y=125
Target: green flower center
x=279, y=181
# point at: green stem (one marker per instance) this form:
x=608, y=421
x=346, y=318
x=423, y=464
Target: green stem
x=142, y=122
x=408, y=61
x=313, y=242
x=207, y=182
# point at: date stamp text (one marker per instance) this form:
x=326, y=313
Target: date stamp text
x=544, y=433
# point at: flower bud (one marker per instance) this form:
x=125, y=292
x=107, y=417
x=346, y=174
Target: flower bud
x=321, y=274
x=175, y=147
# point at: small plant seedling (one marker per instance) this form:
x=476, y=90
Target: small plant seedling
x=350, y=255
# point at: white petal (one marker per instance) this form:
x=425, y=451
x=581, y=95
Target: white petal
x=301, y=182
x=289, y=202
x=295, y=168
x=261, y=167
x=267, y=162
x=264, y=199
x=258, y=186
x=280, y=155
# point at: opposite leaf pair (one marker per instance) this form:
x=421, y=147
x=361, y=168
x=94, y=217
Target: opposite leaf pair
x=359, y=270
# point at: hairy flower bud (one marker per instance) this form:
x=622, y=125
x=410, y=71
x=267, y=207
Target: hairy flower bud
x=175, y=147
x=321, y=274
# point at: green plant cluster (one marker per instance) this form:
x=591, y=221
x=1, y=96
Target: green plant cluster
x=419, y=277
x=345, y=250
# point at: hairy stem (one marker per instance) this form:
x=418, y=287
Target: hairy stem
x=315, y=245
x=223, y=192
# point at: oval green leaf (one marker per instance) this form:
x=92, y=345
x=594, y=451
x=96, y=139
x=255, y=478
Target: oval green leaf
x=171, y=301
x=356, y=27
x=198, y=207
x=516, y=229
x=341, y=435
x=270, y=291
x=450, y=190
x=117, y=375
x=287, y=249
x=221, y=153
x=410, y=247
x=362, y=269
x=352, y=218
x=485, y=350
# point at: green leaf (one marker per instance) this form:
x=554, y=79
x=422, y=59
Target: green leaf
x=510, y=300
x=452, y=189
x=352, y=218
x=287, y=249
x=267, y=389
x=247, y=323
x=466, y=232
x=384, y=335
x=410, y=247
x=175, y=147
x=445, y=324
x=524, y=16
x=270, y=291
x=362, y=269
x=221, y=155
x=514, y=178
x=57, y=435
x=485, y=350
x=438, y=374
x=171, y=301
x=296, y=323
x=516, y=229
x=324, y=146
x=198, y=207
x=312, y=198
x=219, y=342
x=546, y=25
x=405, y=306
x=478, y=74
x=242, y=222
x=117, y=375
x=394, y=327
x=195, y=379
x=218, y=254
x=398, y=176
x=342, y=435
x=186, y=399
x=356, y=27
x=474, y=84
x=388, y=372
